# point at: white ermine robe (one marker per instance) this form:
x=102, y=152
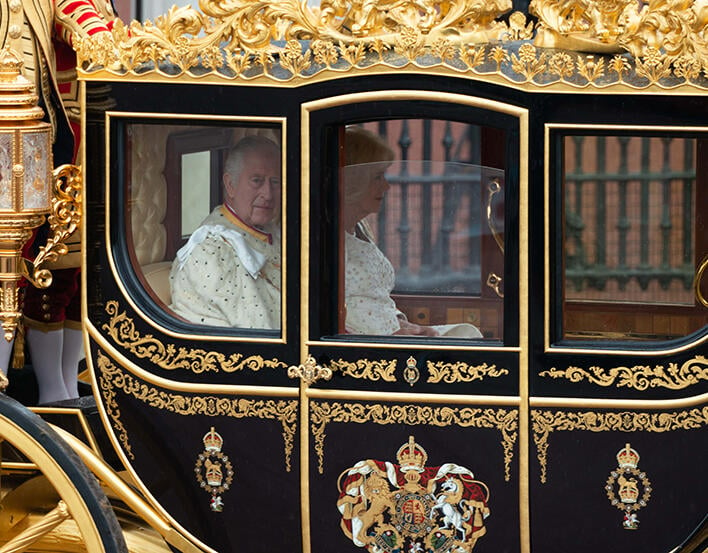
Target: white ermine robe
x=228, y=274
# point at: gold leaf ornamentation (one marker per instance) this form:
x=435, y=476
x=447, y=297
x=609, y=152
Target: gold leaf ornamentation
x=293, y=59
x=451, y=373
x=65, y=216
x=444, y=49
x=410, y=43
x=519, y=29
x=545, y=422
x=639, y=377
x=365, y=369
x=112, y=379
x=324, y=413
x=473, y=57
x=687, y=68
x=654, y=65
x=619, y=65
x=353, y=53
x=527, y=63
x=675, y=27
x=591, y=68
x=325, y=52
x=121, y=328
x=561, y=64
x=499, y=55
x=240, y=39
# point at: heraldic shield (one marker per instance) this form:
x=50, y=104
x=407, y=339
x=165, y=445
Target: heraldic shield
x=410, y=508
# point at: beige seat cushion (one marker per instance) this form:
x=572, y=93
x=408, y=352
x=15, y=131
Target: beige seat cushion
x=157, y=276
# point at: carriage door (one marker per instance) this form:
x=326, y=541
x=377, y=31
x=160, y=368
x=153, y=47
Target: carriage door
x=618, y=401
x=189, y=366
x=412, y=311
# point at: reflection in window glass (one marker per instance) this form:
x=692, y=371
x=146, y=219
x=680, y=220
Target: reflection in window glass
x=630, y=240
x=419, y=245
x=195, y=196
x=205, y=221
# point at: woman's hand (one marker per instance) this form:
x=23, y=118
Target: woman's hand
x=412, y=329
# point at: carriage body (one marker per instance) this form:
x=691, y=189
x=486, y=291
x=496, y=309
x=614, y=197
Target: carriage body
x=549, y=189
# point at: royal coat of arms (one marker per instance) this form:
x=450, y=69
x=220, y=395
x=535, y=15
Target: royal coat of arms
x=410, y=508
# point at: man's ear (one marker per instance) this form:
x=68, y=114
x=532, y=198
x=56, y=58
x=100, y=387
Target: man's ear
x=228, y=185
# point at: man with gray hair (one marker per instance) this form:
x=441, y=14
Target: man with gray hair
x=228, y=273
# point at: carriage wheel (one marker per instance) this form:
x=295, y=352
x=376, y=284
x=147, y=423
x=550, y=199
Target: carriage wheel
x=81, y=496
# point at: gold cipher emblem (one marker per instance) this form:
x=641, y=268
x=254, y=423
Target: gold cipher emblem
x=632, y=485
x=213, y=469
x=410, y=508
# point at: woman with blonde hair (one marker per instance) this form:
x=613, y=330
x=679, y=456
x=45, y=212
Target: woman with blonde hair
x=369, y=275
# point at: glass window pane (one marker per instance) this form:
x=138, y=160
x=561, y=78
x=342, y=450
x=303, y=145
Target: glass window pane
x=418, y=240
x=195, y=191
x=205, y=221
x=630, y=240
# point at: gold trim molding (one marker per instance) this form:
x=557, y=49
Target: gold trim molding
x=504, y=420
x=639, y=377
x=545, y=422
x=451, y=373
x=658, y=44
x=365, y=369
x=121, y=328
x=111, y=378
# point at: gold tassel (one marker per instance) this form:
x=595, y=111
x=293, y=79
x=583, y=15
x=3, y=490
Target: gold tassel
x=18, y=351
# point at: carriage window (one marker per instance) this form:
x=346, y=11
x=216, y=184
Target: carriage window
x=422, y=222
x=633, y=235
x=204, y=221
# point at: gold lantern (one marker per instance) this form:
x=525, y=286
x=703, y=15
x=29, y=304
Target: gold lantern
x=29, y=189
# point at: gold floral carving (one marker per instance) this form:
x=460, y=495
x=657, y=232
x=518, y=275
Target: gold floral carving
x=112, y=378
x=323, y=413
x=451, y=373
x=661, y=44
x=121, y=328
x=545, y=422
x=639, y=377
x=365, y=369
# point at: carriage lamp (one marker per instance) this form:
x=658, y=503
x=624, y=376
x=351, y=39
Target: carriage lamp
x=29, y=190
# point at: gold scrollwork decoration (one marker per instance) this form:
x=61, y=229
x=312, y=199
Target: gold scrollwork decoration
x=661, y=43
x=452, y=373
x=64, y=219
x=545, y=422
x=365, y=369
x=121, y=328
x=108, y=391
x=309, y=372
x=112, y=378
x=675, y=26
x=639, y=377
x=504, y=420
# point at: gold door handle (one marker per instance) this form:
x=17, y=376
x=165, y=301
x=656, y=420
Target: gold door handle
x=697, y=281
x=494, y=282
x=310, y=372
x=494, y=188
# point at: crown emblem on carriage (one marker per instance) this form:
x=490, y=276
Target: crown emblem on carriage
x=214, y=475
x=213, y=469
x=213, y=441
x=627, y=458
x=628, y=487
x=628, y=490
x=411, y=456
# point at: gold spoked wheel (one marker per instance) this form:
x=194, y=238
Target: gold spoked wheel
x=81, y=497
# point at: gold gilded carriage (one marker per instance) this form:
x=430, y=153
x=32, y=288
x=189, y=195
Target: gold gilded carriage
x=533, y=129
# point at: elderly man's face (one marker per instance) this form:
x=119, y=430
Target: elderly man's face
x=254, y=195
